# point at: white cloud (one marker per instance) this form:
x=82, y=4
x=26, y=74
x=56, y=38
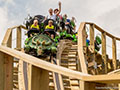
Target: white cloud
x=9, y=2
x=104, y=6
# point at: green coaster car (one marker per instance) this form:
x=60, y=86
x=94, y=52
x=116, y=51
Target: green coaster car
x=65, y=35
x=40, y=45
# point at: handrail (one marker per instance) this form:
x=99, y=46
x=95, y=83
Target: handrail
x=108, y=34
x=9, y=32
x=58, y=69
x=101, y=30
x=82, y=45
x=41, y=64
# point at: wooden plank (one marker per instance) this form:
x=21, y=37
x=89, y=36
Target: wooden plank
x=104, y=51
x=7, y=38
x=18, y=41
x=23, y=27
x=39, y=79
x=6, y=72
x=82, y=85
x=57, y=78
x=81, y=45
x=92, y=46
x=108, y=34
x=8, y=62
x=119, y=86
x=2, y=71
x=114, y=54
x=87, y=85
x=21, y=76
x=112, y=78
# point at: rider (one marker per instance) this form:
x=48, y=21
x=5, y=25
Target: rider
x=67, y=21
x=72, y=22
x=56, y=13
x=34, y=28
x=49, y=29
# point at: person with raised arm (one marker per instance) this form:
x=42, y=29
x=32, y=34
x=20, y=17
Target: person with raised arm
x=55, y=14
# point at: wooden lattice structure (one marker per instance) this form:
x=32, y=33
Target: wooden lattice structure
x=69, y=73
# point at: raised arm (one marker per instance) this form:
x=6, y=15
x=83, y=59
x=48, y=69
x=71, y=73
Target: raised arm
x=59, y=8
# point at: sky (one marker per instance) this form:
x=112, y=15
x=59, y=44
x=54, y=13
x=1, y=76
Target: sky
x=105, y=13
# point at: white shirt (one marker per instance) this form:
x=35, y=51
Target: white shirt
x=52, y=17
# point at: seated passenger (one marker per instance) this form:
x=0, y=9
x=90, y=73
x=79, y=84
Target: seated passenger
x=68, y=27
x=49, y=29
x=72, y=22
x=34, y=28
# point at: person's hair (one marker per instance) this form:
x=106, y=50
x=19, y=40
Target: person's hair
x=65, y=15
x=55, y=10
x=35, y=21
x=50, y=9
x=50, y=21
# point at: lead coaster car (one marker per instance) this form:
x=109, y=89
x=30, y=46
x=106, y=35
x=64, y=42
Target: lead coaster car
x=40, y=45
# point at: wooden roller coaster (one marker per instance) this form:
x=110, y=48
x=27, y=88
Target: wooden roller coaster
x=76, y=67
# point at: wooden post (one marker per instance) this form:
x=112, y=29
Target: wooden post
x=6, y=72
x=39, y=79
x=2, y=71
x=8, y=37
x=6, y=64
x=92, y=46
x=84, y=37
x=18, y=41
x=104, y=51
x=114, y=55
x=22, y=76
x=82, y=47
x=87, y=86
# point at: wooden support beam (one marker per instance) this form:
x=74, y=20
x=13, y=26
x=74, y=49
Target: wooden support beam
x=7, y=38
x=87, y=85
x=7, y=41
x=39, y=79
x=18, y=41
x=81, y=45
x=21, y=75
x=82, y=85
x=104, y=51
x=6, y=63
x=6, y=72
x=114, y=54
x=2, y=71
x=92, y=46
